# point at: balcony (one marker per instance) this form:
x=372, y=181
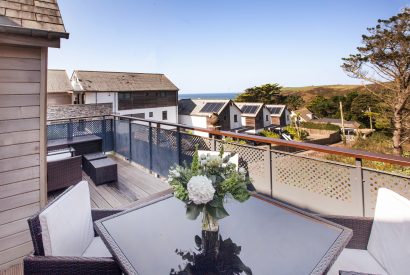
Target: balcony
x=278, y=168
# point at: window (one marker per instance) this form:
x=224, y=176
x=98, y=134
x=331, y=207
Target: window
x=267, y=118
x=162, y=94
x=164, y=115
x=235, y=118
x=150, y=114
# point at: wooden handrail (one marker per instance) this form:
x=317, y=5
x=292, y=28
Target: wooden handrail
x=357, y=154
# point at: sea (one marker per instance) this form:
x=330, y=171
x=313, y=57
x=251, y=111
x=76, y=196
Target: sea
x=215, y=95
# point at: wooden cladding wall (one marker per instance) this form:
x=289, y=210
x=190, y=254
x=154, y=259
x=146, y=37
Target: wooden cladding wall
x=21, y=82
x=139, y=100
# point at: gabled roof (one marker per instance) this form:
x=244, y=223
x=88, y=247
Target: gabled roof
x=247, y=111
x=194, y=107
x=304, y=114
x=58, y=82
x=100, y=81
x=32, y=17
x=276, y=109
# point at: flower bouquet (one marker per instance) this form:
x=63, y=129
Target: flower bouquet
x=206, y=184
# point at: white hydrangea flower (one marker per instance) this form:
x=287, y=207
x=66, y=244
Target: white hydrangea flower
x=200, y=190
x=204, y=162
x=242, y=170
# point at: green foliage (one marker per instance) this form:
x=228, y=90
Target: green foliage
x=267, y=93
x=296, y=134
x=269, y=134
x=225, y=178
x=320, y=126
x=384, y=60
x=360, y=106
x=231, y=140
x=294, y=102
x=195, y=162
x=323, y=107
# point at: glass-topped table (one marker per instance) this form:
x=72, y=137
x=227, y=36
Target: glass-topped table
x=157, y=238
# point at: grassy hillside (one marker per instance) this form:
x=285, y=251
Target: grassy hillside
x=309, y=92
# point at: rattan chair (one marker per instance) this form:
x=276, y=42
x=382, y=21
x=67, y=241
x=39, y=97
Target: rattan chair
x=37, y=263
x=379, y=245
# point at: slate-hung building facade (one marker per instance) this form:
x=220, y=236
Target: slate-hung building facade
x=27, y=30
x=280, y=115
x=198, y=113
x=255, y=116
x=142, y=95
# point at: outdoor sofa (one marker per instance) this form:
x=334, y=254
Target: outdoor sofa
x=63, y=170
x=64, y=239
x=380, y=245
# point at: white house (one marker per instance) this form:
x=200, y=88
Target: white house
x=304, y=115
x=142, y=95
x=255, y=116
x=197, y=113
x=280, y=115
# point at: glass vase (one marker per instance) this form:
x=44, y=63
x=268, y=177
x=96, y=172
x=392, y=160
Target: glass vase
x=209, y=223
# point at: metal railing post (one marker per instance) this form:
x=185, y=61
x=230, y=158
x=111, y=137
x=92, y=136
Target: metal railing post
x=179, y=147
x=150, y=145
x=359, y=176
x=104, y=134
x=130, y=140
x=267, y=168
x=114, y=133
x=213, y=143
x=70, y=130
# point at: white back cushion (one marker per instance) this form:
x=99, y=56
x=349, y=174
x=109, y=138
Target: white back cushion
x=234, y=159
x=66, y=224
x=389, y=241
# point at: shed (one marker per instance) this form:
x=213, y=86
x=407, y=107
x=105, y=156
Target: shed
x=27, y=30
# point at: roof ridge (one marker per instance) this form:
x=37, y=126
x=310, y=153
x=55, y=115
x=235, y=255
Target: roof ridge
x=90, y=71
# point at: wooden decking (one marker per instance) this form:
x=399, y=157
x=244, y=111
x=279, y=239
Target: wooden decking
x=133, y=184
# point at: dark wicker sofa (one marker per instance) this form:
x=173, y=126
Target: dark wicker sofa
x=37, y=263
x=63, y=173
x=361, y=232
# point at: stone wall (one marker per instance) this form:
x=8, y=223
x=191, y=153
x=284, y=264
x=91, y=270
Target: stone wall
x=78, y=110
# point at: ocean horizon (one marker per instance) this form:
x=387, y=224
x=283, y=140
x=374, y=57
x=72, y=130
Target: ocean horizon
x=208, y=96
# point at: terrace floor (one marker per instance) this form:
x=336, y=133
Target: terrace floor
x=133, y=184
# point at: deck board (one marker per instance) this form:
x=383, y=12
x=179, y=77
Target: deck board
x=133, y=184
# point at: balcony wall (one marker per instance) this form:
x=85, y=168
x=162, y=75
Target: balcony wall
x=278, y=171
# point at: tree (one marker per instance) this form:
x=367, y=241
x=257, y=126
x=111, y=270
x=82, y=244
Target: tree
x=322, y=107
x=360, y=108
x=268, y=94
x=384, y=59
x=294, y=102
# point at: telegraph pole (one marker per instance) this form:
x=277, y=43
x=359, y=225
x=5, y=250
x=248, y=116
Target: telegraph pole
x=343, y=122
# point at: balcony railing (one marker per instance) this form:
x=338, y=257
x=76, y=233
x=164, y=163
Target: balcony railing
x=317, y=184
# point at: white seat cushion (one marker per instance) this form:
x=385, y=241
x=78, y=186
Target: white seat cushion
x=97, y=248
x=389, y=241
x=234, y=159
x=356, y=260
x=66, y=224
x=61, y=156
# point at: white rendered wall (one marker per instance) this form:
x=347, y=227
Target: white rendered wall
x=172, y=113
x=243, y=120
x=100, y=97
x=195, y=121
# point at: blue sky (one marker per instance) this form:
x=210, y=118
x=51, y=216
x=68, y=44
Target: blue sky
x=218, y=46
